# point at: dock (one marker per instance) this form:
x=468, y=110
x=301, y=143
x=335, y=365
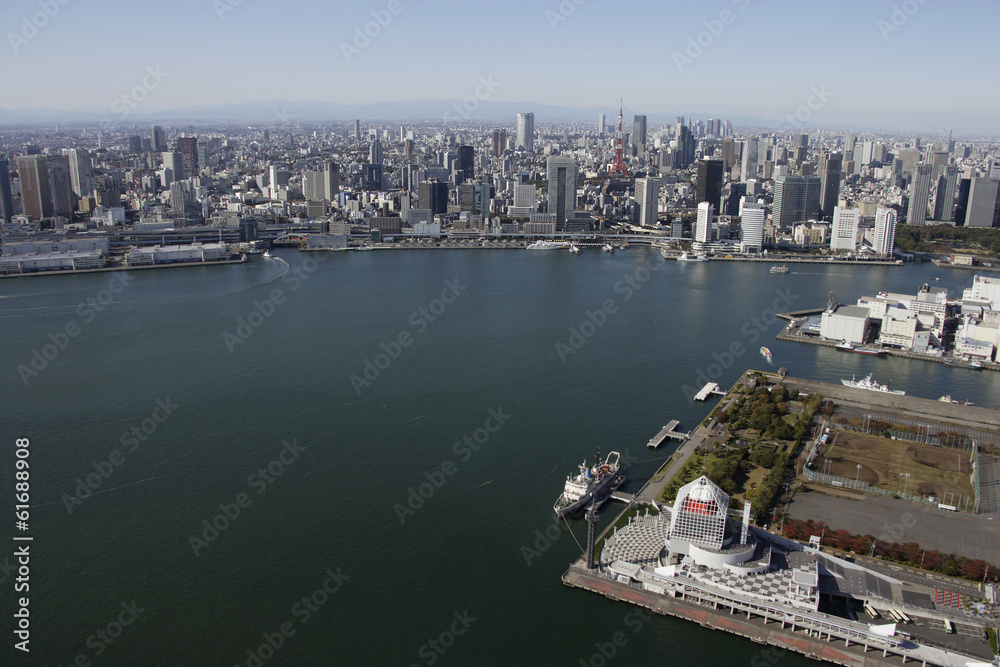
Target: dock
x=708, y=390
x=668, y=431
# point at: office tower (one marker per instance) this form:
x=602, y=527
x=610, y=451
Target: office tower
x=944, y=193
x=482, y=199
x=466, y=161
x=59, y=186
x=499, y=142
x=371, y=176
x=357, y=130
x=844, y=231
x=983, y=209
x=602, y=121
x=524, y=195
x=733, y=195
x=710, y=182
x=408, y=146
x=938, y=160
x=703, y=224
x=800, y=146
x=188, y=148
x=331, y=180
x=433, y=196
x=685, y=147
x=995, y=169
x=728, y=149
x=796, y=199
x=830, y=166
x=80, y=172
x=267, y=137
x=647, y=196
x=6, y=194
x=158, y=139
x=962, y=201
x=135, y=144
x=748, y=160
x=175, y=163
x=752, y=227
x=639, y=133
x=313, y=188
x=375, y=152
x=561, y=175
x=920, y=189
x=885, y=231
x=178, y=202
x=36, y=199
x=849, y=142
x=525, y=132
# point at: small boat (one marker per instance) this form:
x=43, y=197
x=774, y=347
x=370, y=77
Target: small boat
x=267, y=254
x=692, y=257
x=574, y=248
x=871, y=385
x=846, y=346
x=608, y=248
x=779, y=269
x=766, y=353
x=365, y=247
x=548, y=245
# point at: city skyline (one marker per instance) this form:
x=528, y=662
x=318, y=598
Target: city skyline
x=868, y=81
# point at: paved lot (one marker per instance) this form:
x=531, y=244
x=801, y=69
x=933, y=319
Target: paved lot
x=973, y=536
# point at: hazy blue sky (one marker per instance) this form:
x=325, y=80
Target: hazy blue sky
x=939, y=69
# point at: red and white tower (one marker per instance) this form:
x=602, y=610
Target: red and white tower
x=619, y=165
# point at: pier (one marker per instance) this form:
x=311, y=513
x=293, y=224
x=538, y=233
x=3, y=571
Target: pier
x=708, y=390
x=668, y=431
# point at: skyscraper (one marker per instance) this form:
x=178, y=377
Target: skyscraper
x=59, y=185
x=6, y=196
x=357, y=130
x=920, y=190
x=710, y=182
x=647, y=196
x=80, y=171
x=467, y=161
x=433, y=195
x=158, y=139
x=983, y=209
x=35, y=196
x=499, y=142
x=749, y=161
x=830, y=166
x=175, y=163
x=685, y=146
x=639, y=133
x=561, y=174
x=602, y=121
x=728, y=148
x=944, y=193
x=703, y=223
x=962, y=201
x=885, y=231
x=525, y=132
x=752, y=227
x=331, y=180
x=844, y=231
x=375, y=155
x=188, y=148
x=796, y=199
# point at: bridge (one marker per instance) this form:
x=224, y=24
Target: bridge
x=290, y=240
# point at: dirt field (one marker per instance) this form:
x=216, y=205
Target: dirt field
x=934, y=471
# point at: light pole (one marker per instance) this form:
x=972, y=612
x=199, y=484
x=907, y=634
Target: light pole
x=858, y=476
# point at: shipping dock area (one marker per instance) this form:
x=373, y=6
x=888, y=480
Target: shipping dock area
x=701, y=560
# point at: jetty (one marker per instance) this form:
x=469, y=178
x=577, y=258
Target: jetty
x=668, y=431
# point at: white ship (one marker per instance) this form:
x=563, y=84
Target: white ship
x=548, y=245
x=575, y=249
x=267, y=254
x=594, y=483
x=608, y=247
x=766, y=353
x=692, y=257
x=871, y=385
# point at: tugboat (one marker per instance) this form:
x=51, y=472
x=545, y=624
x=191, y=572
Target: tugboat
x=594, y=483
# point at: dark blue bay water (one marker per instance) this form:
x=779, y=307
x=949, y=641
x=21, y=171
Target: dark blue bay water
x=327, y=506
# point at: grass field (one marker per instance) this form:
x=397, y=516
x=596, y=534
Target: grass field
x=934, y=471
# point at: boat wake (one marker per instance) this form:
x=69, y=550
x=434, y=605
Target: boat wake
x=480, y=485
